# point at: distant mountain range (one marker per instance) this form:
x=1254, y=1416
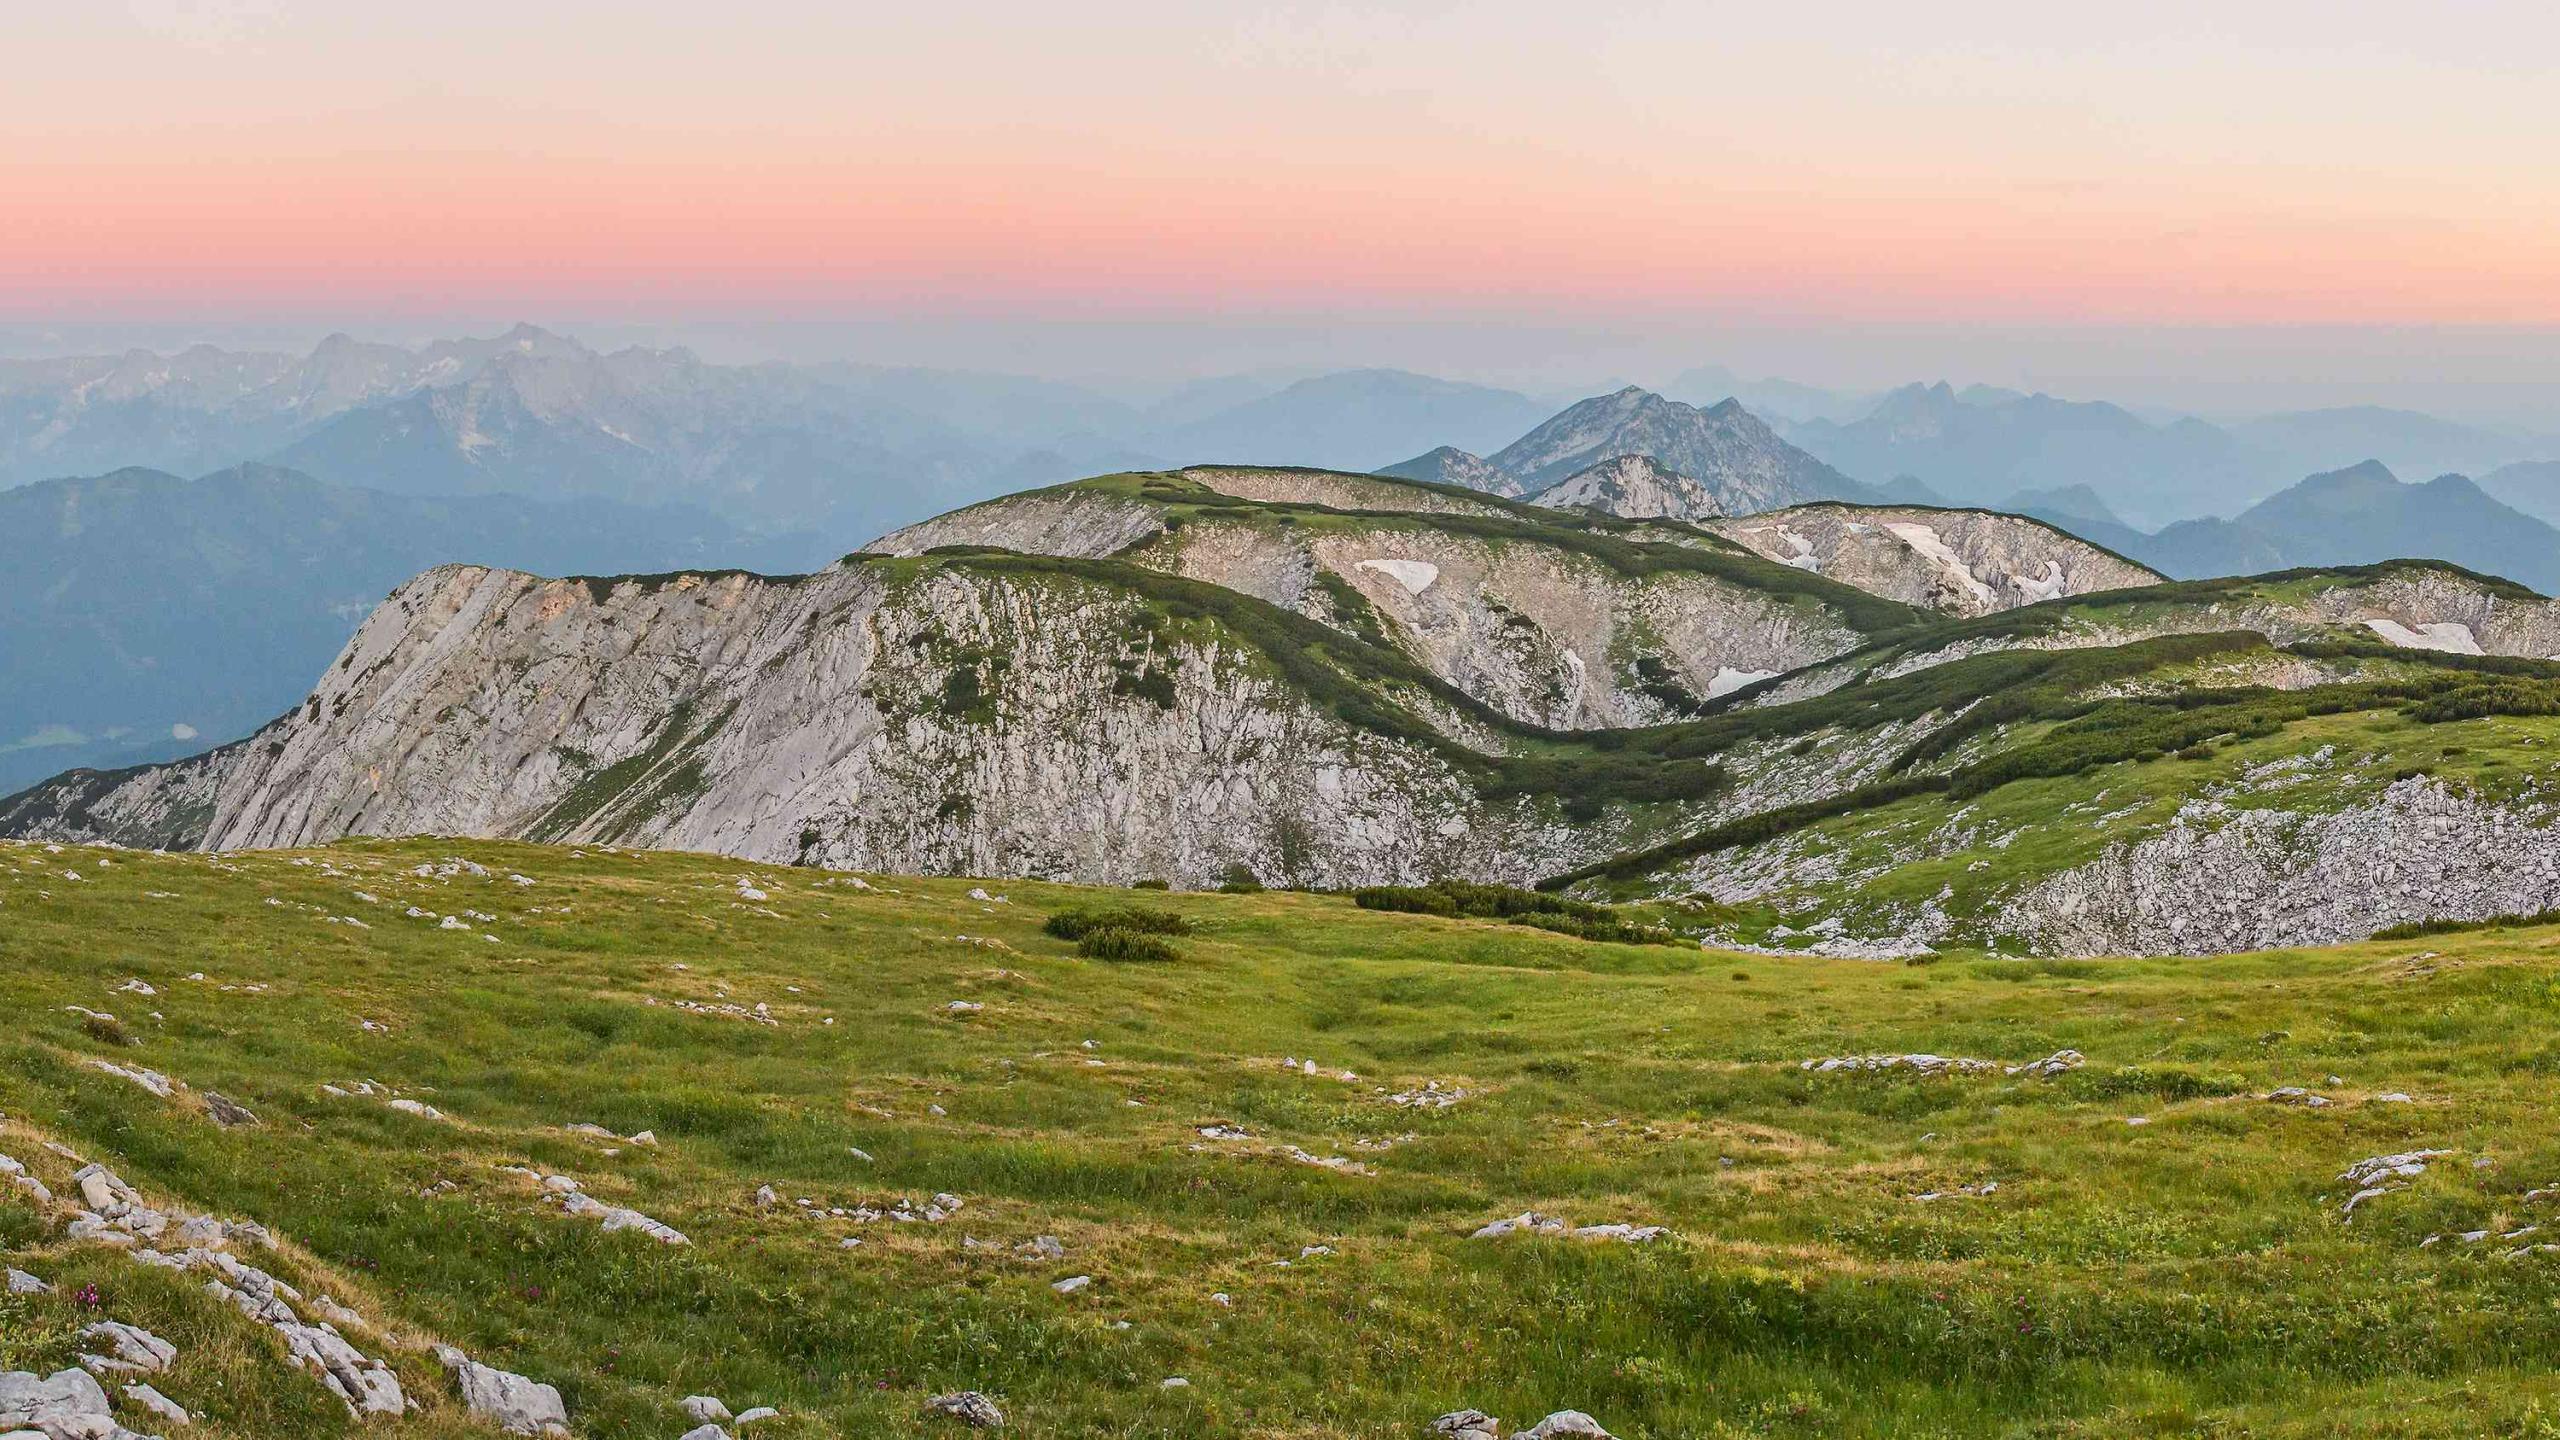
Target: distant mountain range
x=1980, y=444
x=155, y=613
x=2356, y=516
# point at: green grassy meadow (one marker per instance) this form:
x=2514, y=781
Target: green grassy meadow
x=2190, y=1275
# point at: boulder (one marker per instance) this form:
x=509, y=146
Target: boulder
x=1467, y=1425
x=518, y=1406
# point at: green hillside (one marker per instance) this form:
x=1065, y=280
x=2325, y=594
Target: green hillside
x=2079, y=1274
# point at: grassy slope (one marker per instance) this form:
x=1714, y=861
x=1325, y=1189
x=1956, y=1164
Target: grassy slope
x=2189, y=1276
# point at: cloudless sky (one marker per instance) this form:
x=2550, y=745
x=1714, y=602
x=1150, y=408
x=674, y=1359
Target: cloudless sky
x=974, y=180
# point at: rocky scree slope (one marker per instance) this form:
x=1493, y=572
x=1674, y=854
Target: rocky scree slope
x=1957, y=562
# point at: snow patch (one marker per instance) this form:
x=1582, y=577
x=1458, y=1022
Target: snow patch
x=1414, y=575
x=2048, y=586
x=1729, y=680
x=1925, y=539
x=2444, y=635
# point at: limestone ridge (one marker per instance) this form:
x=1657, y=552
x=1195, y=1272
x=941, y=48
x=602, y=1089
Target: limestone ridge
x=989, y=715
x=1560, y=621
x=1326, y=679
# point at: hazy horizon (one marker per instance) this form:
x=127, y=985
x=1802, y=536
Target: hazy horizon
x=2480, y=375
x=2226, y=213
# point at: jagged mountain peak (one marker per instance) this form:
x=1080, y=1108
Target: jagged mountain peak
x=1739, y=460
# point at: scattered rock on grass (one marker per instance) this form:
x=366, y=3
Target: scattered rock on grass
x=969, y=1408
x=65, y=1403
x=134, y=1350
x=519, y=1406
x=159, y=1404
x=1467, y=1425
x=226, y=1111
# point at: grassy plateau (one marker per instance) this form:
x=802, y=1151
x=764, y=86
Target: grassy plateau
x=2145, y=1245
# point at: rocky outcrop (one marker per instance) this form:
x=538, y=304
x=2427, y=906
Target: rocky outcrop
x=1632, y=487
x=1957, y=562
x=2220, y=878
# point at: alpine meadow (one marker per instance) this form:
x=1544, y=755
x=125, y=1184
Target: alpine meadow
x=1279, y=722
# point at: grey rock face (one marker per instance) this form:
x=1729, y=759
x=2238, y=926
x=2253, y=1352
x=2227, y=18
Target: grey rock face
x=1738, y=459
x=814, y=721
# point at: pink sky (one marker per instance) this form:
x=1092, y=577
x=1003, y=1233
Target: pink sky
x=2322, y=164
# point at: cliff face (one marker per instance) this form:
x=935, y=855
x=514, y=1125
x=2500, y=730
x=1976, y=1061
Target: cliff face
x=927, y=718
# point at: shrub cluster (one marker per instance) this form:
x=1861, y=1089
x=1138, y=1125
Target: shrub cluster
x=1128, y=932
x=1555, y=913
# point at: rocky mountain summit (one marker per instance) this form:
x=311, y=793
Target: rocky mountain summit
x=1632, y=487
x=1878, y=739
x=1725, y=448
